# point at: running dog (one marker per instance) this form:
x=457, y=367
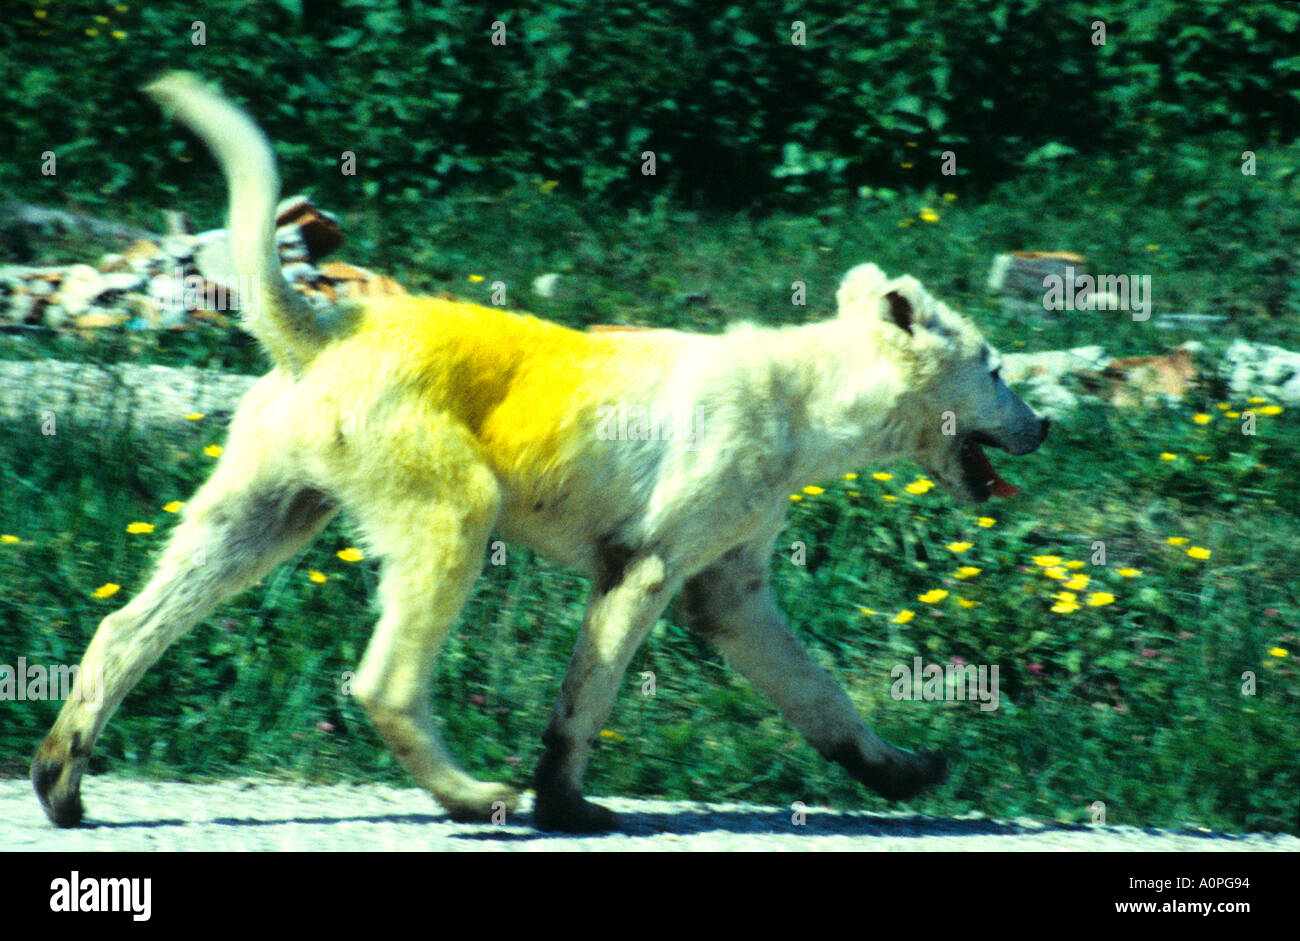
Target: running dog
x=435, y=423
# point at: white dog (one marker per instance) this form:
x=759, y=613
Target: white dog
x=655, y=462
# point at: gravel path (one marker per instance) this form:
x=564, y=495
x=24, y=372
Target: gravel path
x=250, y=814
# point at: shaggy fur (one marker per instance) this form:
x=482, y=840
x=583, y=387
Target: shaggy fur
x=436, y=423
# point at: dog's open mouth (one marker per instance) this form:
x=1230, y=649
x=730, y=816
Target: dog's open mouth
x=980, y=476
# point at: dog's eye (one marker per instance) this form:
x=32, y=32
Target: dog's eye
x=996, y=374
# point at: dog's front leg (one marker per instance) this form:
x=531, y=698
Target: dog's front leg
x=731, y=604
x=625, y=602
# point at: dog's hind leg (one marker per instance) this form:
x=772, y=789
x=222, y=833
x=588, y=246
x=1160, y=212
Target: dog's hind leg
x=626, y=600
x=236, y=528
x=431, y=535
x=731, y=604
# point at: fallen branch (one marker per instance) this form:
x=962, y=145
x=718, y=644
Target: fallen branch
x=146, y=401
x=16, y=215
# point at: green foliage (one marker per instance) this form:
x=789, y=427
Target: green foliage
x=735, y=112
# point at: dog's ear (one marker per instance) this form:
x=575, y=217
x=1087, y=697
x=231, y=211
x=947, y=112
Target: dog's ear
x=901, y=302
x=859, y=286
x=900, y=311
x=907, y=305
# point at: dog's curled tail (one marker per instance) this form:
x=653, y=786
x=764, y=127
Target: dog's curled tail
x=273, y=312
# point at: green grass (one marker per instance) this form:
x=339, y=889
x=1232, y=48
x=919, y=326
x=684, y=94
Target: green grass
x=1137, y=702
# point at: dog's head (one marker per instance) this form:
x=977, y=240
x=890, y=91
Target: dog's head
x=952, y=399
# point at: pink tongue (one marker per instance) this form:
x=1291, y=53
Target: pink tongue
x=997, y=486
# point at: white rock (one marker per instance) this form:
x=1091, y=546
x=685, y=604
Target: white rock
x=213, y=260
x=300, y=271
x=19, y=308
x=1261, y=369
x=169, y=295
x=80, y=286
x=179, y=247
x=545, y=285
x=123, y=281
x=54, y=315
x=1019, y=367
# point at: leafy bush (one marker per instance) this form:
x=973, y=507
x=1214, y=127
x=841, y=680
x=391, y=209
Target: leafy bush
x=734, y=110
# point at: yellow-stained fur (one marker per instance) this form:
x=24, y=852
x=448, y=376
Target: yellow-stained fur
x=656, y=462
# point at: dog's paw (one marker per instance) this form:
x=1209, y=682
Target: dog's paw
x=909, y=774
x=572, y=814
x=896, y=774
x=57, y=781
x=481, y=803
